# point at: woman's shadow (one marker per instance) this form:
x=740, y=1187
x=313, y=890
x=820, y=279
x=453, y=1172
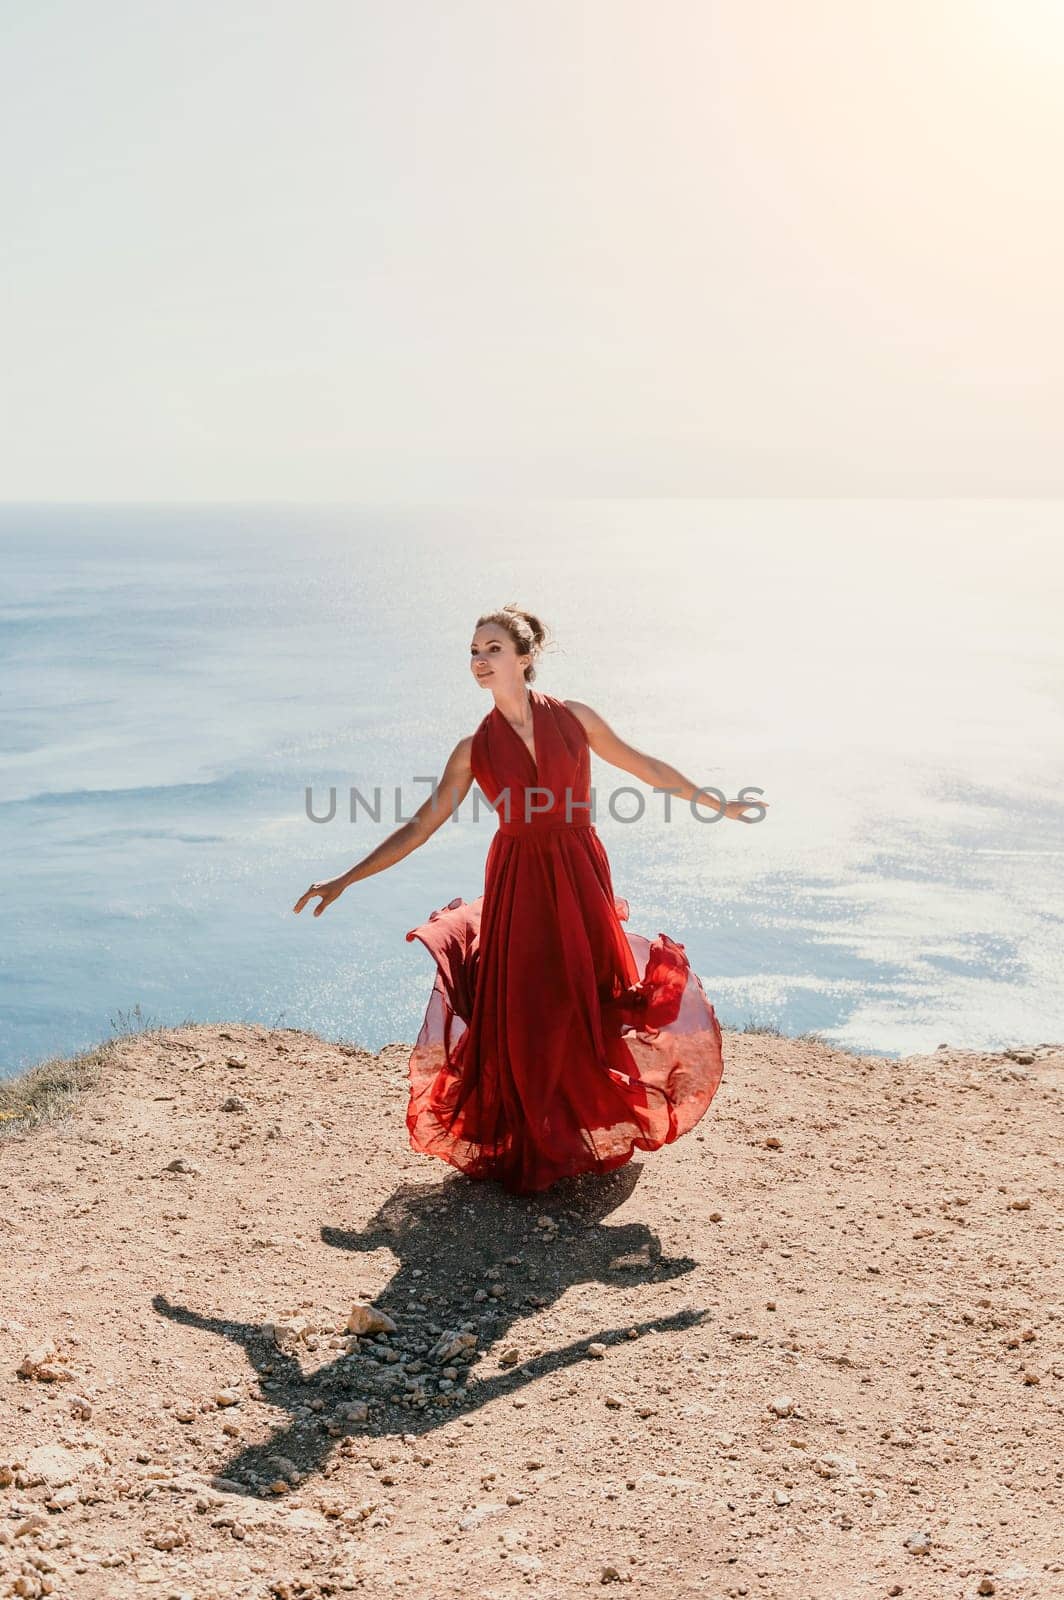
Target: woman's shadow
x=451, y=1240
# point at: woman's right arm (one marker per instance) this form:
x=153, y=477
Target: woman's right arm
x=455, y=784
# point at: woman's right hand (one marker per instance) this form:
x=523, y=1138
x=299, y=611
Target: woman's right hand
x=329, y=889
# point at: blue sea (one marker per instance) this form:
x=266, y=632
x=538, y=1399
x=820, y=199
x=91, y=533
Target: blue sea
x=889, y=674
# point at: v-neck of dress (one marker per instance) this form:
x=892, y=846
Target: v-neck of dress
x=533, y=758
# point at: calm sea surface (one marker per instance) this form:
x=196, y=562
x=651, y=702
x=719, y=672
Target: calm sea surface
x=889, y=673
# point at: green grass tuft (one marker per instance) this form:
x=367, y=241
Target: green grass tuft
x=49, y=1090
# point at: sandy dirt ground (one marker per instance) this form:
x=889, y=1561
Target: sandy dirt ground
x=814, y=1348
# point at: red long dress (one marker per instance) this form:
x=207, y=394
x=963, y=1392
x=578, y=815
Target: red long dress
x=555, y=1041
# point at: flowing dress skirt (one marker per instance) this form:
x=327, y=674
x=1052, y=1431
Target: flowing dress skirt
x=555, y=1041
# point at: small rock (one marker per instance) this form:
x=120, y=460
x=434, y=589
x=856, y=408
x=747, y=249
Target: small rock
x=55, y=1465
x=451, y=1344
x=179, y=1164
x=782, y=1406
x=234, y=1103
x=34, y=1523
x=986, y=1586
x=835, y=1466
x=168, y=1537
x=596, y=1350
x=236, y=1061
x=1020, y=1205
x=781, y=1498
x=44, y=1365
x=479, y=1514
x=63, y=1498
x=227, y=1397
x=918, y=1544
x=367, y=1319
x=772, y=1143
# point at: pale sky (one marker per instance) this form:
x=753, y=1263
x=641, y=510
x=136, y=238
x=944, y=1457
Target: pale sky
x=315, y=250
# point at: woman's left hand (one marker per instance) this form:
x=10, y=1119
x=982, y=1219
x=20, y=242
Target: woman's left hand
x=736, y=809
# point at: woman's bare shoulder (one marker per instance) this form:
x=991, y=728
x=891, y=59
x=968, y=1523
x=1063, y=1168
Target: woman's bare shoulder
x=584, y=713
x=462, y=754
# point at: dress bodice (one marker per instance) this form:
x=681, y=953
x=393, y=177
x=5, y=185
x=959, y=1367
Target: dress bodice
x=552, y=791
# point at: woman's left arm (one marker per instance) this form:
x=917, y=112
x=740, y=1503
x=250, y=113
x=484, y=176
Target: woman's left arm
x=650, y=769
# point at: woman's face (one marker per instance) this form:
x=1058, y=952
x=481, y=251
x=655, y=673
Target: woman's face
x=494, y=660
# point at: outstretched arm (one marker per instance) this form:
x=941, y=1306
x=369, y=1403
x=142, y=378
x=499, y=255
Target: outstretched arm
x=454, y=786
x=659, y=774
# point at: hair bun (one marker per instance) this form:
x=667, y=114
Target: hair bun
x=536, y=628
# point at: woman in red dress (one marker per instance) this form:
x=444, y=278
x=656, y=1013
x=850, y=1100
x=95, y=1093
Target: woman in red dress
x=555, y=1041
